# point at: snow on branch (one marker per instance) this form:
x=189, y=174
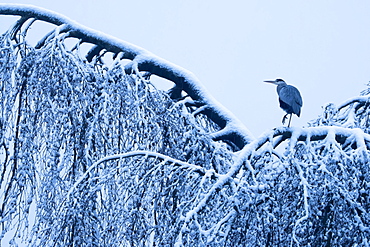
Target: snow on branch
x=164, y=158
x=142, y=60
x=359, y=99
x=261, y=188
x=95, y=155
x=353, y=113
x=308, y=194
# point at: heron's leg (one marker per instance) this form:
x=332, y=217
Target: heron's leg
x=284, y=118
x=290, y=118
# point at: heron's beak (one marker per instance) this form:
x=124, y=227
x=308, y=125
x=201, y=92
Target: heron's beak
x=270, y=81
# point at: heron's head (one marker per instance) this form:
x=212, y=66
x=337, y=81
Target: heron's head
x=277, y=81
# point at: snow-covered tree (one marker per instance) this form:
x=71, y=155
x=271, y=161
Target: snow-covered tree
x=93, y=154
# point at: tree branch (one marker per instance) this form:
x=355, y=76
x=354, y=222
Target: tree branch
x=145, y=61
x=341, y=135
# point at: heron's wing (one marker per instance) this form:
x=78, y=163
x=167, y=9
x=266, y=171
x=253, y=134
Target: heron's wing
x=291, y=96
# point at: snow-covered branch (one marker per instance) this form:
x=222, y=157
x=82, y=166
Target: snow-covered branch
x=95, y=155
x=358, y=99
x=166, y=159
x=141, y=59
x=356, y=138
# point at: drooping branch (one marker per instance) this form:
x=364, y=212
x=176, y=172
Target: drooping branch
x=143, y=61
x=167, y=159
x=79, y=166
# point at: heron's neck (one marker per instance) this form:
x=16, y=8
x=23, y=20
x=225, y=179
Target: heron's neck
x=280, y=86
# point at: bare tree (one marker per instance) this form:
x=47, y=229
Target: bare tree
x=93, y=154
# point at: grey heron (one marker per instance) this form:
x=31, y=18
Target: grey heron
x=289, y=98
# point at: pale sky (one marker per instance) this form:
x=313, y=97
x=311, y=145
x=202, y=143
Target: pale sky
x=321, y=47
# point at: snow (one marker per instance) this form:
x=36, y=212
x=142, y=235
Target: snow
x=93, y=154
x=140, y=57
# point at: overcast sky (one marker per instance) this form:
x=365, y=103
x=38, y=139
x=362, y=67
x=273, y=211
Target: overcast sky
x=321, y=47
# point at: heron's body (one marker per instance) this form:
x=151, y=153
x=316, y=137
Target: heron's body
x=289, y=98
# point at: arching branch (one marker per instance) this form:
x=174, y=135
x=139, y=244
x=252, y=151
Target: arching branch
x=144, y=61
x=93, y=52
x=359, y=99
